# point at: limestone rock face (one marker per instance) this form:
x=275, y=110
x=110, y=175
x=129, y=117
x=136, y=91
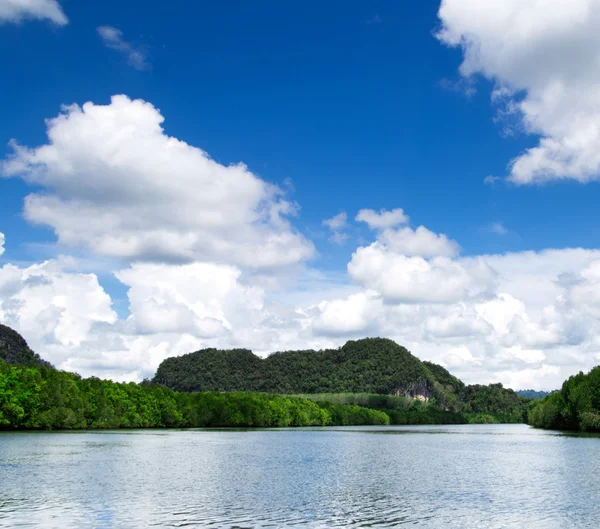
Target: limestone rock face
x=14, y=349
x=420, y=390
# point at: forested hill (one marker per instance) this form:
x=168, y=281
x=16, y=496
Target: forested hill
x=368, y=366
x=14, y=349
x=372, y=365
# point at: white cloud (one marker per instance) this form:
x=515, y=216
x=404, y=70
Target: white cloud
x=2, y=241
x=351, y=316
x=419, y=242
x=114, y=183
x=52, y=307
x=18, y=10
x=543, y=57
x=382, y=219
x=338, y=222
x=113, y=39
x=204, y=300
x=414, y=279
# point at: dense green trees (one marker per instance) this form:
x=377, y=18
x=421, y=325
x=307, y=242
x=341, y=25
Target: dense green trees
x=45, y=398
x=372, y=365
x=493, y=401
x=575, y=407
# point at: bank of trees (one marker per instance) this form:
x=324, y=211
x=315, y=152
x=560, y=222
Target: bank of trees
x=575, y=407
x=45, y=398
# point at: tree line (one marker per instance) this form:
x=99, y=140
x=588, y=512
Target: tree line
x=575, y=407
x=45, y=398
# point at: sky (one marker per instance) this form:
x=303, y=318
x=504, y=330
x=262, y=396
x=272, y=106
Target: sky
x=285, y=175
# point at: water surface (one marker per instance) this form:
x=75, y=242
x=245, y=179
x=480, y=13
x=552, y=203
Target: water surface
x=431, y=476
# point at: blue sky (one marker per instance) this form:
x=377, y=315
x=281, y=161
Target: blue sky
x=344, y=106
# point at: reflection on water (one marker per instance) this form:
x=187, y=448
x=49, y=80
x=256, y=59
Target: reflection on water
x=438, y=476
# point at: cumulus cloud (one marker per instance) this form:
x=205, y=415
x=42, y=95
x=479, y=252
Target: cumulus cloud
x=18, y=10
x=543, y=57
x=113, y=39
x=355, y=315
x=201, y=299
x=114, y=183
x=420, y=242
x=53, y=308
x=2, y=240
x=414, y=279
x=382, y=219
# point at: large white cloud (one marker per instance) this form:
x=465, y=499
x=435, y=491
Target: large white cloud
x=414, y=279
x=55, y=309
x=114, y=183
x=204, y=300
x=18, y=10
x=543, y=57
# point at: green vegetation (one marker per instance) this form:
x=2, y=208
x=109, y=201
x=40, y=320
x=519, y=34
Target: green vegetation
x=372, y=365
x=400, y=410
x=45, y=398
x=374, y=373
x=575, y=407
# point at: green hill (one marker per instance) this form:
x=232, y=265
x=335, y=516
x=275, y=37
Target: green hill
x=14, y=349
x=372, y=365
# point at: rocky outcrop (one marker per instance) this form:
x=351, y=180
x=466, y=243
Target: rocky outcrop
x=14, y=349
x=420, y=390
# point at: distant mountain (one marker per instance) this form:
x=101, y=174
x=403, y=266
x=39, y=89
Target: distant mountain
x=533, y=394
x=14, y=349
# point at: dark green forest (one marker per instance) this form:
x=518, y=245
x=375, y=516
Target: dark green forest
x=372, y=365
x=575, y=407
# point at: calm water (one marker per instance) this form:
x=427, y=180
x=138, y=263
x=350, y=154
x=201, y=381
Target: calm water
x=460, y=476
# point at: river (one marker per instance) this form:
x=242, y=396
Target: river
x=463, y=476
